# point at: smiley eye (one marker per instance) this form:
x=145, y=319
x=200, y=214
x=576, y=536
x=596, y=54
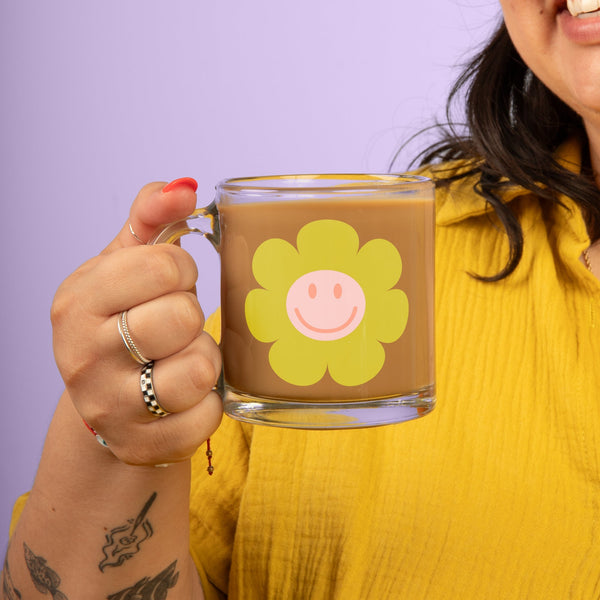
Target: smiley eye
x=337, y=291
x=312, y=290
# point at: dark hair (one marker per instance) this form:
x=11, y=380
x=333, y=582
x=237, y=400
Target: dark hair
x=514, y=124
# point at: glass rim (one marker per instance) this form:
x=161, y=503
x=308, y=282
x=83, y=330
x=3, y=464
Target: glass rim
x=353, y=182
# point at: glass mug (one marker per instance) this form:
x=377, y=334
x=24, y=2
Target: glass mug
x=327, y=297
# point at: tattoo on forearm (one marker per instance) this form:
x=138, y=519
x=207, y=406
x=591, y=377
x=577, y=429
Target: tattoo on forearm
x=150, y=589
x=124, y=541
x=44, y=578
x=9, y=591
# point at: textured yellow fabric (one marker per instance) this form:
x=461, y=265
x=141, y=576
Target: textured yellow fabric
x=496, y=494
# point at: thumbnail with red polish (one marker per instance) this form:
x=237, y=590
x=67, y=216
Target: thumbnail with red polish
x=180, y=183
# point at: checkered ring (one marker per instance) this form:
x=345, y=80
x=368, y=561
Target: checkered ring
x=148, y=392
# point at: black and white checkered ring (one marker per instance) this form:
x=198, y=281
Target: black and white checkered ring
x=148, y=392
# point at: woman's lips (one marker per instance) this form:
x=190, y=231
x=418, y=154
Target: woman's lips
x=583, y=28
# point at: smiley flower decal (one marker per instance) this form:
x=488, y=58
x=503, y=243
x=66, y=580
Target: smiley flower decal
x=326, y=304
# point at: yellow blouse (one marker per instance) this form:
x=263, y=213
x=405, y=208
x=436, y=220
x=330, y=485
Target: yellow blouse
x=496, y=494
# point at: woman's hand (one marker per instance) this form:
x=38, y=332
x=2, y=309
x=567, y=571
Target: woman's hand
x=152, y=283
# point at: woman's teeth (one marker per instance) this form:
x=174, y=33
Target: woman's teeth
x=584, y=8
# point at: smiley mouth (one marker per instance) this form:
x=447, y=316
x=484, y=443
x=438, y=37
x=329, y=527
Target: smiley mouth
x=310, y=327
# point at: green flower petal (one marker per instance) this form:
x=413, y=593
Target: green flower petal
x=275, y=264
x=327, y=244
x=357, y=362
x=266, y=315
x=378, y=265
x=386, y=315
x=298, y=360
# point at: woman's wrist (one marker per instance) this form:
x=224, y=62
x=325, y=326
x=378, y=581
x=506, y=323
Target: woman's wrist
x=98, y=523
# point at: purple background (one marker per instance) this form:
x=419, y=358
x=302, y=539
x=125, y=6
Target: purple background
x=98, y=98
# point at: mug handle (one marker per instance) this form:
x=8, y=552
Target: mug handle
x=195, y=223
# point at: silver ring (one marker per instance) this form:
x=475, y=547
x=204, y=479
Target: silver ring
x=149, y=393
x=135, y=235
x=128, y=341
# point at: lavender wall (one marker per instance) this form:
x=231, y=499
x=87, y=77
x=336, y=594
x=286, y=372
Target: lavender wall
x=98, y=98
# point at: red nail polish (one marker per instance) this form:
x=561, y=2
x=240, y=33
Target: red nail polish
x=181, y=183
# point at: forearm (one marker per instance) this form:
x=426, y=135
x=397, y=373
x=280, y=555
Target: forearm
x=94, y=527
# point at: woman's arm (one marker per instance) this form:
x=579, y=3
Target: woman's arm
x=106, y=522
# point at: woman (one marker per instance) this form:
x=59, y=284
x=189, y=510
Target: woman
x=493, y=495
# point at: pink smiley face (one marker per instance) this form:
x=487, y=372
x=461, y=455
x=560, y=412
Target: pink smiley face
x=325, y=305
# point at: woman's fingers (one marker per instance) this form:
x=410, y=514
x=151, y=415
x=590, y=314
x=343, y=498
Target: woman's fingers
x=108, y=395
x=171, y=439
x=156, y=205
x=87, y=305
x=132, y=276
x=183, y=386
x=181, y=380
x=163, y=326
